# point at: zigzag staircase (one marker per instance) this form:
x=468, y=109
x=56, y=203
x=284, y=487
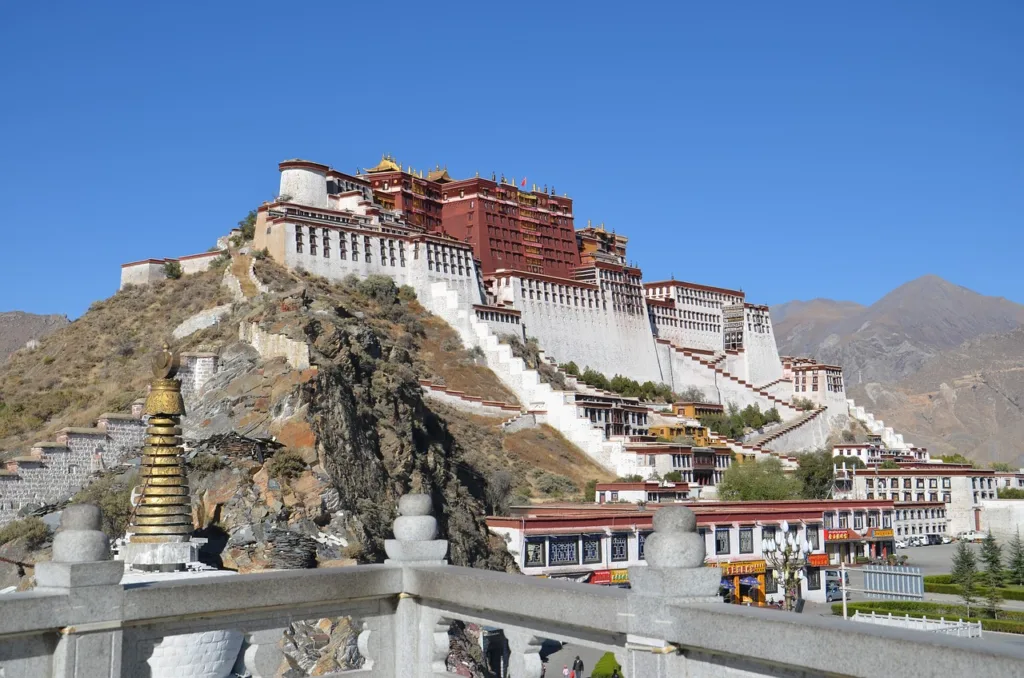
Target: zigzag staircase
x=782, y=406
x=557, y=407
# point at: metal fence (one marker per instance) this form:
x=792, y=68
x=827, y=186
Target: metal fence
x=893, y=583
x=958, y=628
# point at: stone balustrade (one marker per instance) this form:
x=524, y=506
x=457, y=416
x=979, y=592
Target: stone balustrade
x=394, y=619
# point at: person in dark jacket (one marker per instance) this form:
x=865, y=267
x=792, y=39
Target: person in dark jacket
x=577, y=666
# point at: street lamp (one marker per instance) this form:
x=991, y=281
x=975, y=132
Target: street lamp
x=787, y=555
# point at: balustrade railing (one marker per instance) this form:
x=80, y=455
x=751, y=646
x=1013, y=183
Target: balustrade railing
x=403, y=618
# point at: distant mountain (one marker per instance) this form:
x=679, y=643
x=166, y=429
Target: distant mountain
x=895, y=336
x=968, y=399
x=17, y=328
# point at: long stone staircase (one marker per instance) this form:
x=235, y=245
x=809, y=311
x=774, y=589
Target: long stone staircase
x=713, y=363
x=556, y=408
x=892, y=440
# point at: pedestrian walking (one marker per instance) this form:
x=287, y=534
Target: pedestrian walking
x=577, y=667
x=565, y=671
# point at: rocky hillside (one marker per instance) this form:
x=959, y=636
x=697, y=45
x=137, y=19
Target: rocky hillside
x=17, y=328
x=967, y=400
x=895, y=336
x=353, y=430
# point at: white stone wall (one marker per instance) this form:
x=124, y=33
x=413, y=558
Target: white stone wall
x=606, y=341
x=1001, y=518
x=417, y=264
x=809, y=436
x=762, y=357
x=197, y=263
x=470, y=404
x=125, y=436
x=272, y=346
x=142, y=273
x=304, y=186
x=201, y=320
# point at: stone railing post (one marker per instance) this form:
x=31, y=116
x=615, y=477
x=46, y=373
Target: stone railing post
x=415, y=531
x=415, y=543
x=675, y=575
x=82, y=570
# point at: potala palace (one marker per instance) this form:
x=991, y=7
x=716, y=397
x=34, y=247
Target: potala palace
x=494, y=259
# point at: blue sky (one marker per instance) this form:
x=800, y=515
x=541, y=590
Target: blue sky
x=796, y=150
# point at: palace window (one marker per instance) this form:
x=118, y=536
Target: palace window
x=312, y=241
x=535, y=553
x=767, y=533
x=298, y=239
x=341, y=246
x=844, y=520
x=722, y=541
x=770, y=585
x=812, y=537
x=746, y=540
x=563, y=551
x=933, y=483
x=813, y=579
x=620, y=551
x=945, y=483
x=327, y=244
x=591, y=548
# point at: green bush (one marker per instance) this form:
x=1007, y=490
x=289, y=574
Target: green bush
x=33, y=530
x=205, y=464
x=942, y=583
x=172, y=270
x=380, y=288
x=286, y=465
x=113, y=494
x=605, y=666
x=555, y=485
x=248, y=225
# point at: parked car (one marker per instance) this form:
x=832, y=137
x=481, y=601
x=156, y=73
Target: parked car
x=900, y=544
x=934, y=540
x=972, y=536
x=946, y=539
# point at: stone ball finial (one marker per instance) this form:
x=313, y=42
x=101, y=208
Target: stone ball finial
x=675, y=542
x=79, y=539
x=415, y=522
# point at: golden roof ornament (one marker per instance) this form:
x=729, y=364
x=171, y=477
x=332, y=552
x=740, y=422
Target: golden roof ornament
x=164, y=511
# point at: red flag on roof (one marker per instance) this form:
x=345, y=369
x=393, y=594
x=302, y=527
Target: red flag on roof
x=522, y=184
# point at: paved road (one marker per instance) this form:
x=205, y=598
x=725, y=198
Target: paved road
x=933, y=559
x=566, y=655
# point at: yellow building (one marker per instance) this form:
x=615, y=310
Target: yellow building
x=700, y=434
x=696, y=410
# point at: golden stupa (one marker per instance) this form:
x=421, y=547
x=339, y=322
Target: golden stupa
x=163, y=512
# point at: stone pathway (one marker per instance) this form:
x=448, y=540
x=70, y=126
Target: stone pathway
x=240, y=264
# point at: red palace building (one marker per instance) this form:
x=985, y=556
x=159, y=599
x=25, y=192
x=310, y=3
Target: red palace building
x=509, y=228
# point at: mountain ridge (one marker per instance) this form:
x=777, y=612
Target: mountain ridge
x=17, y=328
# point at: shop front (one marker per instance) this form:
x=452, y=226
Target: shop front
x=743, y=582
x=619, y=578
x=844, y=546
x=881, y=542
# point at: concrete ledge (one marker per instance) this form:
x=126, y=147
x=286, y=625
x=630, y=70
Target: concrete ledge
x=51, y=575
x=540, y=602
x=250, y=592
x=832, y=646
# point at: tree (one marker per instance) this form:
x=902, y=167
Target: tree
x=758, y=481
x=955, y=459
x=992, y=557
x=1010, y=493
x=815, y=472
x=692, y=394
x=965, y=574
x=1002, y=467
x=1015, y=561
x=849, y=436
x=674, y=476
x=172, y=270
x=772, y=417
x=499, y=491
x=571, y=369
x=248, y=225
x=889, y=464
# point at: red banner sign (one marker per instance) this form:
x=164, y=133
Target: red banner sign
x=601, y=577
x=818, y=560
x=837, y=535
